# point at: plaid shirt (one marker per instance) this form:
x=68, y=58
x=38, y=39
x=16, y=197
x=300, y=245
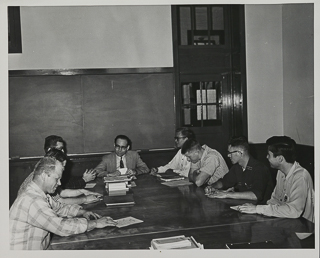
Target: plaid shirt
x=34, y=215
x=56, y=196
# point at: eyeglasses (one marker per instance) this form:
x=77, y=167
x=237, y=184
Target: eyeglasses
x=177, y=138
x=121, y=147
x=230, y=152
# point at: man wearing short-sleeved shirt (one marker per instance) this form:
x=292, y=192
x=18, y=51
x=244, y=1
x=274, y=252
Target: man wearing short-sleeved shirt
x=247, y=178
x=207, y=165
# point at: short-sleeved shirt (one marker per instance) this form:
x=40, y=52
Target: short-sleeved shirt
x=255, y=178
x=211, y=163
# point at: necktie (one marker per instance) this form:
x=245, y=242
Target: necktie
x=121, y=163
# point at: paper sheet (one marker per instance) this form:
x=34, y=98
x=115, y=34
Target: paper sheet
x=90, y=185
x=235, y=207
x=127, y=221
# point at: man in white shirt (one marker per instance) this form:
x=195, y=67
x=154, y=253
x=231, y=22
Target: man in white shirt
x=179, y=164
x=293, y=195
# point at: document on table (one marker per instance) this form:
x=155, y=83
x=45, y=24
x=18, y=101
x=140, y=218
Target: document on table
x=235, y=207
x=90, y=185
x=177, y=183
x=127, y=221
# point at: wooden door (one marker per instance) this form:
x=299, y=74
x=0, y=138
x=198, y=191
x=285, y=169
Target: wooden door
x=209, y=63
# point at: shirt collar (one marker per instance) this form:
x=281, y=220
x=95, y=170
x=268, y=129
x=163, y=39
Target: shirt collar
x=292, y=169
x=35, y=187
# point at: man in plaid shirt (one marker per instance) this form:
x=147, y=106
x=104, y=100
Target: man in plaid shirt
x=34, y=214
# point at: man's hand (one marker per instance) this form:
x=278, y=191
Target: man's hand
x=105, y=221
x=100, y=222
x=209, y=190
x=89, y=175
x=87, y=192
x=93, y=215
x=248, y=208
x=92, y=198
x=218, y=194
x=222, y=194
x=130, y=172
x=154, y=171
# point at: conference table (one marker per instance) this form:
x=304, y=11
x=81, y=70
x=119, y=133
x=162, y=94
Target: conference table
x=184, y=210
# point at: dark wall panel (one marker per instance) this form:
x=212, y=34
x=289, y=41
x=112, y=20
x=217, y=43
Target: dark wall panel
x=137, y=105
x=88, y=111
x=40, y=106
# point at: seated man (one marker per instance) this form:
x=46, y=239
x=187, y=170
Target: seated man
x=67, y=196
x=54, y=141
x=179, y=164
x=207, y=164
x=247, y=178
x=121, y=158
x=293, y=195
x=34, y=214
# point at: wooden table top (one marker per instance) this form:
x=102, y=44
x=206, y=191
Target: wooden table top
x=183, y=210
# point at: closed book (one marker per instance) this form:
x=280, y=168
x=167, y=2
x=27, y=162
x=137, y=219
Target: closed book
x=119, y=200
x=176, y=242
x=176, y=178
x=112, y=179
x=248, y=245
x=117, y=192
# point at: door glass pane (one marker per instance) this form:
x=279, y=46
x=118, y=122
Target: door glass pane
x=217, y=18
x=201, y=18
x=185, y=24
x=217, y=35
x=200, y=103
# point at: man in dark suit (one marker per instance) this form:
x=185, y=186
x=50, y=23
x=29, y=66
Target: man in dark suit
x=121, y=161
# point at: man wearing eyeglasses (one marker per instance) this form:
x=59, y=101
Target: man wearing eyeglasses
x=247, y=179
x=179, y=164
x=122, y=159
x=293, y=195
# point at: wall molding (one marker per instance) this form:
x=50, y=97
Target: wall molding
x=109, y=71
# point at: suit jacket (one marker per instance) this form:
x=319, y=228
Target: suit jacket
x=133, y=161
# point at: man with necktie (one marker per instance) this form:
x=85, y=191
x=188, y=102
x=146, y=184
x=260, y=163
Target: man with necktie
x=122, y=159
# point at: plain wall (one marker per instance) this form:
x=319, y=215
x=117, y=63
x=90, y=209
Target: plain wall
x=264, y=71
x=298, y=72
x=280, y=71
x=94, y=37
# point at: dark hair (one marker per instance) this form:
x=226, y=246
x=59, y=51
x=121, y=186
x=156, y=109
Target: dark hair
x=55, y=153
x=190, y=145
x=284, y=146
x=240, y=141
x=123, y=137
x=45, y=165
x=51, y=142
x=186, y=132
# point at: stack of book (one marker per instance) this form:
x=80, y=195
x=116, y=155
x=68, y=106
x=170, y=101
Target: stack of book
x=118, y=191
x=117, y=185
x=176, y=242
